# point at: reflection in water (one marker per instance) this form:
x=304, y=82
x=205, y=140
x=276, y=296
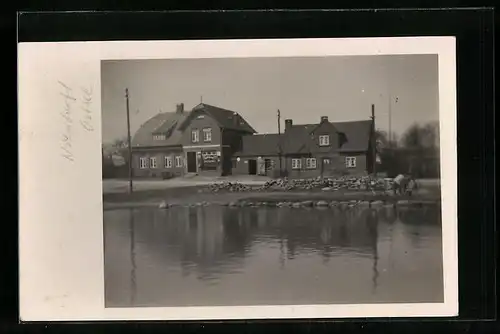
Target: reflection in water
x=372, y=224
x=215, y=255
x=133, y=285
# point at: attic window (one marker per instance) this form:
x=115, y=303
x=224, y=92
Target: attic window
x=200, y=117
x=324, y=140
x=159, y=137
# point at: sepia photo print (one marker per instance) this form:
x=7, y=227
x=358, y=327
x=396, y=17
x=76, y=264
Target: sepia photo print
x=258, y=181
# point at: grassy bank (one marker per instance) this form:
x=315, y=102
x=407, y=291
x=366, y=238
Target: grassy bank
x=198, y=196
x=151, y=194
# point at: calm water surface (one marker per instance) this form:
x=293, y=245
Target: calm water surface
x=223, y=256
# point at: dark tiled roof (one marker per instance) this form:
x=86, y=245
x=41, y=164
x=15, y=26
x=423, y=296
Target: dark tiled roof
x=298, y=137
x=225, y=118
x=165, y=123
x=357, y=134
x=260, y=145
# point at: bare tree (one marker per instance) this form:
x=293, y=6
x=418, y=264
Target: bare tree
x=120, y=143
x=120, y=148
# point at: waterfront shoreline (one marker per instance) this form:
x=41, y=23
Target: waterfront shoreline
x=183, y=198
x=201, y=194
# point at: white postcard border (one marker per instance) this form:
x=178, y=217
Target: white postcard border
x=60, y=228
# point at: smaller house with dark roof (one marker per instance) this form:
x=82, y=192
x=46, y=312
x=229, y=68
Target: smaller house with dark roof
x=309, y=150
x=202, y=140
x=259, y=155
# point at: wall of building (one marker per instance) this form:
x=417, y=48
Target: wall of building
x=201, y=167
x=199, y=120
x=325, y=128
x=361, y=163
x=336, y=167
x=161, y=170
x=231, y=143
x=303, y=172
x=242, y=167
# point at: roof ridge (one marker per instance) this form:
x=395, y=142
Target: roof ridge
x=359, y=120
x=216, y=107
x=334, y=122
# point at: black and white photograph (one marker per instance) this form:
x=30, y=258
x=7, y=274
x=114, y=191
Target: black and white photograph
x=271, y=181
x=241, y=179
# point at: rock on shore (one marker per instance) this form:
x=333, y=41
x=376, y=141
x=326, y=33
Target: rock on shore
x=324, y=184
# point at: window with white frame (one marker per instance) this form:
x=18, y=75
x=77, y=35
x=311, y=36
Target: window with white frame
x=178, y=161
x=324, y=140
x=207, y=134
x=350, y=162
x=143, y=162
x=152, y=162
x=311, y=163
x=168, y=162
x=195, y=135
x=296, y=163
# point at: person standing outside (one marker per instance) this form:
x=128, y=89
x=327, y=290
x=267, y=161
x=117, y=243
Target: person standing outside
x=411, y=185
x=398, y=184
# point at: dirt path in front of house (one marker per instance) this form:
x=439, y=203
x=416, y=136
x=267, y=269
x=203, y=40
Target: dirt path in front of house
x=120, y=186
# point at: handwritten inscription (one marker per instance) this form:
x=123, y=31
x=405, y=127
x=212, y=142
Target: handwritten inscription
x=67, y=116
x=86, y=120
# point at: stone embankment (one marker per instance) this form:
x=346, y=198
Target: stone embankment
x=325, y=184
x=341, y=204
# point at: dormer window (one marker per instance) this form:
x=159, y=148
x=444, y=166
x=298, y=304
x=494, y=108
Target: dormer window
x=324, y=140
x=159, y=137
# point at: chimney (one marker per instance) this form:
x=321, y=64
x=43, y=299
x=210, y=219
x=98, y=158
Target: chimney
x=180, y=108
x=288, y=124
x=324, y=119
x=236, y=119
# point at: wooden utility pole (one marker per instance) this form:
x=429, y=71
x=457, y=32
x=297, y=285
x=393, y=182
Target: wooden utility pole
x=279, y=123
x=374, y=141
x=279, y=141
x=131, y=188
x=390, y=118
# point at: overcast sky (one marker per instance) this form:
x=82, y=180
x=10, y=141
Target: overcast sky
x=304, y=89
